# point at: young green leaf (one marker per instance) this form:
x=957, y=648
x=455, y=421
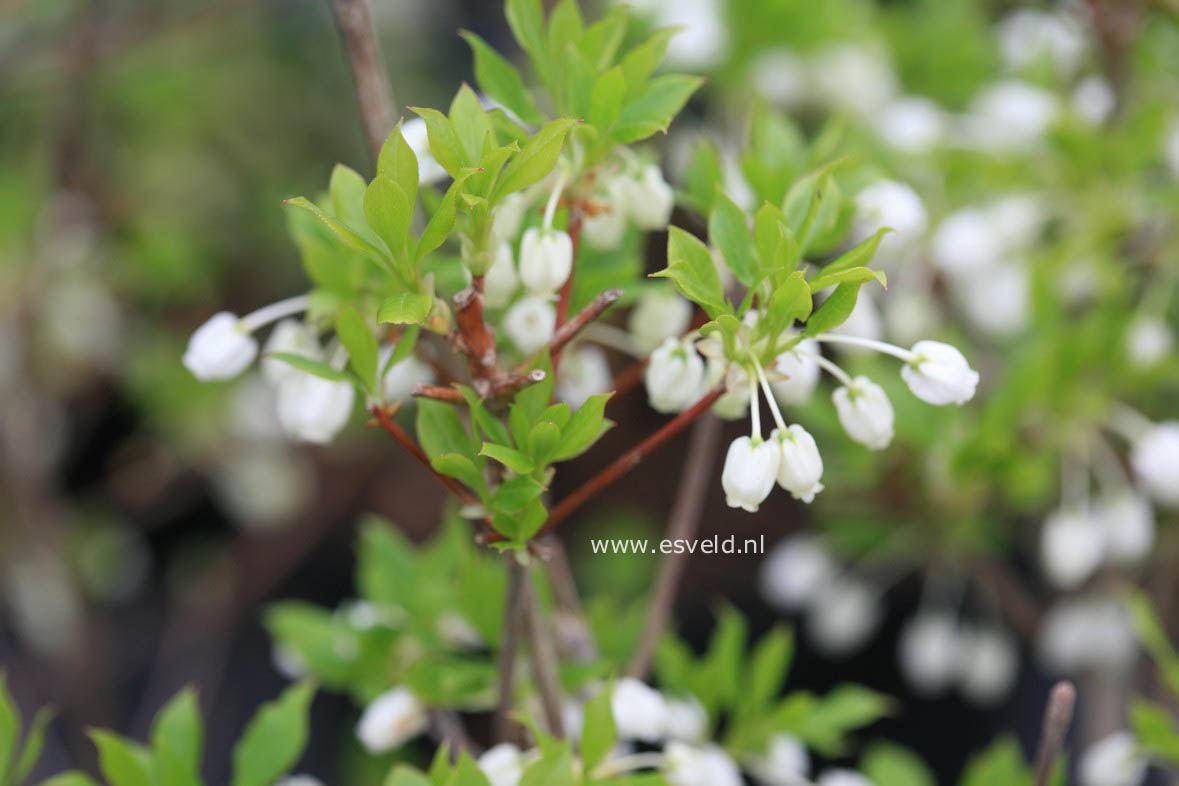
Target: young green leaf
x=346, y=189
x=728, y=229
x=639, y=63
x=768, y=665
x=388, y=212
x=499, y=79
x=9, y=727
x=122, y=762
x=536, y=159
x=860, y=255
x=69, y=778
x=273, y=739
x=350, y=238
x=691, y=269
x=471, y=125
x=554, y=768
x=402, y=775
x=515, y=494
x=1156, y=730
x=315, y=367
x=583, y=429
x=404, y=348
x=33, y=746
x=542, y=441
x=834, y=311
x=526, y=19
x=357, y=337
x=652, y=110
x=405, y=308
x=399, y=163
x=509, y=457
x=461, y=468
x=887, y=764
x=851, y=275
x=440, y=429
x=599, y=732
x=444, y=142
x=442, y=222
x=790, y=300
x=179, y=727
x=606, y=99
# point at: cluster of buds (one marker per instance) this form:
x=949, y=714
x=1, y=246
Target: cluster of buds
x=638, y=194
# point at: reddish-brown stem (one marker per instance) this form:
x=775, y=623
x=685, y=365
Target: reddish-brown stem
x=373, y=94
x=439, y=393
x=477, y=339
x=405, y=441
x=620, y=466
x=567, y=331
x=567, y=288
x=1058, y=715
x=518, y=380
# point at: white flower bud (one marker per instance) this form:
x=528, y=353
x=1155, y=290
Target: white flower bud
x=843, y=615
x=1072, y=546
x=965, y=242
x=928, y=651
x=687, y=765
x=1114, y=760
x=546, y=259
x=1148, y=341
x=584, y=372
x=508, y=217
x=530, y=323
x=1127, y=522
x=939, y=374
x=786, y=762
x=801, y=465
x=220, y=349
x=640, y=711
x=500, y=281
x=1155, y=459
x=314, y=409
x=749, y=473
x=1087, y=633
x=996, y=301
x=299, y=780
x=405, y=375
x=911, y=124
x=1010, y=116
x=649, y=199
x=795, y=374
x=391, y=720
x=1028, y=36
x=659, y=315
x=294, y=337
x=795, y=572
x=1094, y=100
x=503, y=764
x=675, y=376
x=889, y=203
x=780, y=77
x=687, y=720
x=605, y=228
x=842, y=777
x=853, y=77
x=262, y=486
x=988, y=665
x=865, y=413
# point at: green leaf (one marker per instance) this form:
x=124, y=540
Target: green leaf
x=385, y=564
x=471, y=124
x=405, y=308
x=459, y=467
x=399, y=163
x=350, y=238
x=179, y=727
x=346, y=189
x=490, y=425
x=844, y=709
x=388, y=212
x=515, y=494
x=536, y=159
x=558, y=413
x=599, y=732
x=33, y=746
x=887, y=764
x=583, y=429
x=172, y=771
x=122, y=762
x=534, y=399
x=767, y=667
x=834, y=311
x=790, y=300
x=728, y=229
x=691, y=269
x=1001, y=763
x=857, y=256
x=554, y=768
x=858, y=274
x=1156, y=730
x=9, y=727
x=542, y=441
x=599, y=43
x=509, y=457
x=606, y=99
x=273, y=739
x=440, y=429
x=652, y=110
x=640, y=62
x=442, y=222
x=499, y=79
x=526, y=19
x=444, y=142
x=314, y=367
x=1153, y=636
x=402, y=775
x=358, y=339
x=69, y=778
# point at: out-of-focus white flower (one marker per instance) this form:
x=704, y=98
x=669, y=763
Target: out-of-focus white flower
x=1087, y=633
x=659, y=315
x=293, y=337
x=786, y=762
x=1072, y=546
x=1017, y=220
x=220, y=349
x=688, y=765
x=604, y=229
x=288, y=663
x=508, y=217
x=864, y=321
x=687, y=720
x=801, y=466
x=843, y=615
x=530, y=323
x=414, y=132
x=500, y=281
x=842, y=777
x=911, y=124
x=929, y=651
x=262, y=486
x=865, y=413
x=314, y=409
x=703, y=38
x=457, y=631
x=1010, y=115
x=503, y=764
x=733, y=404
x=403, y=376
x=795, y=374
x=1028, y=36
x=995, y=301
x=988, y=664
x=780, y=77
x=1127, y=522
x=640, y=711
x=1093, y=100
x=648, y=199
x=1171, y=148
x=1114, y=760
x=749, y=473
x=939, y=374
x=910, y=310
x=965, y=242
x=1148, y=341
x=1155, y=459
x=391, y=720
x=584, y=372
x=299, y=780
x=853, y=77
x=889, y=203
x=675, y=376
x=546, y=259
x=795, y=572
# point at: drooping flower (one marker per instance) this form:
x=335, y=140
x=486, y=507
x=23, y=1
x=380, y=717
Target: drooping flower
x=584, y=372
x=842, y=616
x=659, y=315
x=801, y=466
x=220, y=349
x=687, y=720
x=649, y=199
x=1114, y=760
x=709, y=765
x=796, y=374
x=786, y=762
x=640, y=711
x=314, y=409
x=795, y=571
x=546, y=259
x=530, y=323
x=749, y=473
x=1155, y=459
x=1128, y=527
x=503, y=764
x=939, y=374
x=865, y=413
x=391, y=720
x=988, y=664
x=403, y=376
x=294, y=337
x=675, y=376
x=500, y=281
x=1072, y=546
x=928, y=651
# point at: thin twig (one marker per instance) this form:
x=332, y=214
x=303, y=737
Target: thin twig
x=374, y=96
x=477, y=338
x=544, y=661
x=685, y=518
x=566, y=332
x=411, y=447
x=517, y=381
x=446, y=726
x=508, y=645
x=438, y=393
x=575, y=640
x=1058, y=715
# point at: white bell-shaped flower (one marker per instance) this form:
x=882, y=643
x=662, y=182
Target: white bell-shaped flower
x=786, y=762
x=749, y=473
x=1114, y=760
x=865, y=413
x=1088, y=632
x=405, y=375
x=391, y=720
x=503, y=764
x=843, y=615
x=530, y=323
x=1010, y=116
x=220, y=349
x=997, y=301
x=295, y=337
x=889, y=203
x=796, y=374
x=911, y=124
x=689, y=765
x=546, y=259
x=675, y=376
x=1155, y=459
x=1072, y=546
x=928, y=651
x=508, y=217
x=1127, y=521
x=801, y=466
x=640, y=711
x=1094, y=100
x=659, y=315
x=842, y=777
x=795, y=572
x=939, y=374
x=988, y=664
x=649, y=199
x=1029, y=36
x=500, y=281
x=584, y=372
x=604, y=229
x=687, y=720
x=314, y=409
x=964, y=242
x=1148, y=341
